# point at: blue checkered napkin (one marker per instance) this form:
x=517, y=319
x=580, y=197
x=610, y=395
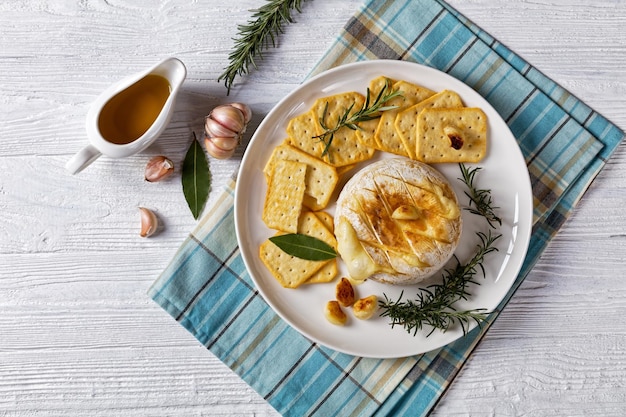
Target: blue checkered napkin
x=207, y=289
x=565, y=143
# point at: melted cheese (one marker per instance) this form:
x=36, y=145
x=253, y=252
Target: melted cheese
x=359, y=264
x=450, y=209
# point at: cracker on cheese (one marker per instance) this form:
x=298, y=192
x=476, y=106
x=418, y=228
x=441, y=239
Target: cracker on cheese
x=451, y=135
x=285, y=193
x=406, y=120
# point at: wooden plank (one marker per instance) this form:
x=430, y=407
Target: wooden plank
x=79, y=336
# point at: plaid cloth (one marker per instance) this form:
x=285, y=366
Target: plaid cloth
x=206, y=287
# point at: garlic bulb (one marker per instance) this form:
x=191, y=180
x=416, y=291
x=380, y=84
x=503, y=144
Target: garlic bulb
x=149, y=222
x=224, y=127
x=158, y=168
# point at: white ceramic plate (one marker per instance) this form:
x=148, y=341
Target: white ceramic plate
x=503, y=171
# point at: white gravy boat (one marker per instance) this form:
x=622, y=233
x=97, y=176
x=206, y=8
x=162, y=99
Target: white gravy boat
x=131, y=114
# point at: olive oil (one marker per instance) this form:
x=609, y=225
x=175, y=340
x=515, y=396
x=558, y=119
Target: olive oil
x=131, y=112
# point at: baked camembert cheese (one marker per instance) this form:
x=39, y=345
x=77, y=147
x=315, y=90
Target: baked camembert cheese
x=397, y=221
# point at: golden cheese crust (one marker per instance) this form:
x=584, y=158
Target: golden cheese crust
x=397, y=221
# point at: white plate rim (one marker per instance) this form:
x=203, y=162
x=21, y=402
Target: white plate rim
x=250, y=174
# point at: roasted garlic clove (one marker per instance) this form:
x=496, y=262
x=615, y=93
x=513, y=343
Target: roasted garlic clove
x=365, y=308
x=406, y=212
x=344, y=292
x=335, y=314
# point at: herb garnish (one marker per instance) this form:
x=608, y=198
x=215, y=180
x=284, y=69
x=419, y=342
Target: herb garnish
x=434, y=304
x=365, y=113
x=304, y=247
x=480, y=199
x=196, y=178
x=256, y=35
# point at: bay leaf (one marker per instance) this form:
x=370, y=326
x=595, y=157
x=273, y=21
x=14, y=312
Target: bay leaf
x=196, y=178
x=304, y=247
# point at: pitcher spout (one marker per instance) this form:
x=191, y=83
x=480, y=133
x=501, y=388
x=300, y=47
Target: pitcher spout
x=173, y=70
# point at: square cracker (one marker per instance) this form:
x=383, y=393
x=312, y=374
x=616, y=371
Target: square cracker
x=367, y=132
x=300, y=131
x=310, y=224
x=326, y=219
x=330, y=270
x=326, y=273
x=345, y=169
x=290, y=271
x=451, y=135
x=386, y=136
x=406, y=120
x=283, y=201
x=346, y=149
x=320, y=180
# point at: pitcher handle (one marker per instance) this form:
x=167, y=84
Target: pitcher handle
x=82, y=159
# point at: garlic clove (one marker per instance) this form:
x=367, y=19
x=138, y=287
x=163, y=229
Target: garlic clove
x=158, y=168
x=228, y=117
x=226, y=144
x=149, y=222
x=334, y=313
x=365, y=308
x=217, y=152
x=214, y=128
x=245, y=109
x=344, y=292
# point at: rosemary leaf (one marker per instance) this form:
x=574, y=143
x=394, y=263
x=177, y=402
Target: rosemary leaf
x=351, y=120
x=480, y=201
x=257, y=35
x=433, y=305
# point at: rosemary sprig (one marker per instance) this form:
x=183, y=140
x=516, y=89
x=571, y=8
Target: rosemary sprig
x=365, y=113
x=480, y=199
x=258, y=34
x=434, y=304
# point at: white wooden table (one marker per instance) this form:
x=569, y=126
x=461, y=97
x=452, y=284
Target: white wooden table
x=79, y=336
